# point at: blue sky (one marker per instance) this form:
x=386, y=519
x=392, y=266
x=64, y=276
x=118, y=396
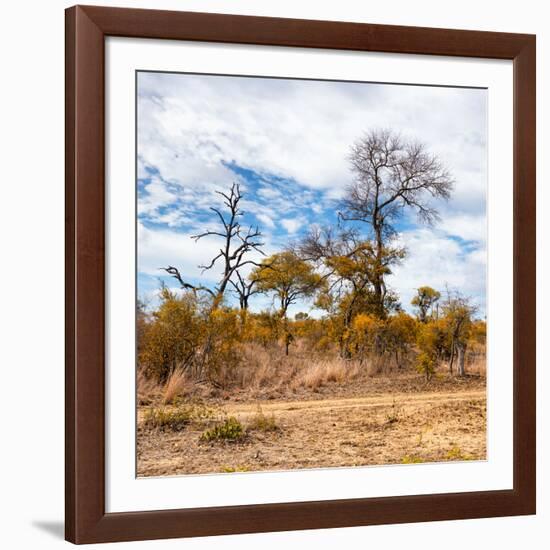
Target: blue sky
x=286, y=142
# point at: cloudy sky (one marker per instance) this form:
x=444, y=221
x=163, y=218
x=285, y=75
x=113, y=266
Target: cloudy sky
x=286, y=142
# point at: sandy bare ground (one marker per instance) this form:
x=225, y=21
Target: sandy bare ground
x=331, y=432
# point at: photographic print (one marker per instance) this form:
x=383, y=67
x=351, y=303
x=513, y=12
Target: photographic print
x=311, y=273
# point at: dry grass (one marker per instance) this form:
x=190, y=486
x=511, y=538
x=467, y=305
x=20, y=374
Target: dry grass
x=262, y=422
x=147, y=389
x=258, y=367
x=309, y=409
x=321, y=373
x=477, y=366
x=269, y=368
x=176, y=386
x=327, y=432
x=267, y=373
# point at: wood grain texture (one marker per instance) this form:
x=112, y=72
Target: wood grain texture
x=273, y=31
x=85, y=260
x=86, y=29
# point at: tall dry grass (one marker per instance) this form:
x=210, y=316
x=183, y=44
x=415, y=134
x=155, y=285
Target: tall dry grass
x=320, y=373
x=267, y=372
x=477, y=365
x=260, y=372
x=147, y=389
x=176, y=386
x=303, y=368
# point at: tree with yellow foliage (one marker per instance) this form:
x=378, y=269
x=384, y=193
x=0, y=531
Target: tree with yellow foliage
x=350, y=267
x=424, y=301
x=458, y=313
x=288, y=278
x=401, y=330
x=172, y=337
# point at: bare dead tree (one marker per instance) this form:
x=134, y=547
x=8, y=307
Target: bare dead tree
x=391, y=175
x=244, y=289
x=237, y=244
x=171, y=270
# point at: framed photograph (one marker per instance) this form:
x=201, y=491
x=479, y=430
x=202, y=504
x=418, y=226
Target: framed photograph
x=300, y=274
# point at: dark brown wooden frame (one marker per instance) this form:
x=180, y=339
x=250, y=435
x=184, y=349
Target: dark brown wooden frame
x=86, y=29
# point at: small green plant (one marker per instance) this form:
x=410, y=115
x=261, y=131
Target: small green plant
x=199, y=411
x=411, y=459
x=233, y=469
x=456, y=454
x=263, y=423
x=167, y=419
x=176, y=418
x=230, y=430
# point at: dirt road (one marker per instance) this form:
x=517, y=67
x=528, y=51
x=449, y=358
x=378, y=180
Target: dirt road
x=324, y=405
x=349, y=431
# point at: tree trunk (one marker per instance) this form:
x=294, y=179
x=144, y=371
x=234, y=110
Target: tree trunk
x=378, y=278
x=452, y=356
x=461, y=347
x=345, y=352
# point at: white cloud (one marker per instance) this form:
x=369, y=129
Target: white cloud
x=189, y=124
x=470, y=227
x=292, y=225
x=159, y=248
x=265, y=219
x=436, y=260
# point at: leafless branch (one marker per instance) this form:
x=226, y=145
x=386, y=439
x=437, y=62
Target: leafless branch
x=174, y=272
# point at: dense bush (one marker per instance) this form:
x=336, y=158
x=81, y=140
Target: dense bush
x=172, y=336
x=186, y=340
x=229, y=430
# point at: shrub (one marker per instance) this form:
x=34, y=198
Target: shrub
x=401, y=332
x=425, y=364
x=168, y=419
x=456, y=454
x=231, y=430
x=171, y=339
x=176, y=419
x=263, y=423
x=428, y=340
x=220, y=352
